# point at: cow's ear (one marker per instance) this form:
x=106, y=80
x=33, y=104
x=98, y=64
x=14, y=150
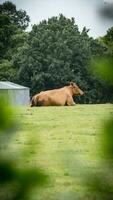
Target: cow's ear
x=71, y=83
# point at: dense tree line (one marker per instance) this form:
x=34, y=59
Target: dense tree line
x=13, y=23
x=52, y=54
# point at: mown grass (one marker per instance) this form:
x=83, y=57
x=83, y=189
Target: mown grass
x=63, y=141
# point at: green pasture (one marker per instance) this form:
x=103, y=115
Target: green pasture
x=62, y=141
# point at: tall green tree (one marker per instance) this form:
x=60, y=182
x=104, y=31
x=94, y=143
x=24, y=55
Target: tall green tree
x=58, y=53
x=107, y=40
x=18, y=18
x=12, y=21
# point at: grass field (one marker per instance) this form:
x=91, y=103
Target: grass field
x=63, y=141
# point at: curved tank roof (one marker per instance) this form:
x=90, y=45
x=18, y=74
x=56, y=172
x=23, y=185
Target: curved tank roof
x=10, y=85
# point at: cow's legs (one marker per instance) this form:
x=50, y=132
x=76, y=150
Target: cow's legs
x=70, y=102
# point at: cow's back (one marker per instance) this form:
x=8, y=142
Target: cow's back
x=55, y=97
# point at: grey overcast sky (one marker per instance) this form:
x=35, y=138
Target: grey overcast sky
x=85, y=12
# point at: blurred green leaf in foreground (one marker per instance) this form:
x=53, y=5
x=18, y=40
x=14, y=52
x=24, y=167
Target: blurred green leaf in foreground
x=103, y=68
x=15, y=182
x=100, y=181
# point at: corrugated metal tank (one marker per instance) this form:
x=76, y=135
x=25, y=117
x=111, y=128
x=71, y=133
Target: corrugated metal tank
x=14, y=93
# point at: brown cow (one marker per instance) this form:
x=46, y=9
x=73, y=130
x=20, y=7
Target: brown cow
x=57, y=97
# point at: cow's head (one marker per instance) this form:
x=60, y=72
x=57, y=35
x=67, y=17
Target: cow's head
x=75, y=89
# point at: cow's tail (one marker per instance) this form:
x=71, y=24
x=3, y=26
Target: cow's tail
x=36, y=101
x=32, y=102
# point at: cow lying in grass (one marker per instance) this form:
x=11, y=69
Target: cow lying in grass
x=57, y=97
